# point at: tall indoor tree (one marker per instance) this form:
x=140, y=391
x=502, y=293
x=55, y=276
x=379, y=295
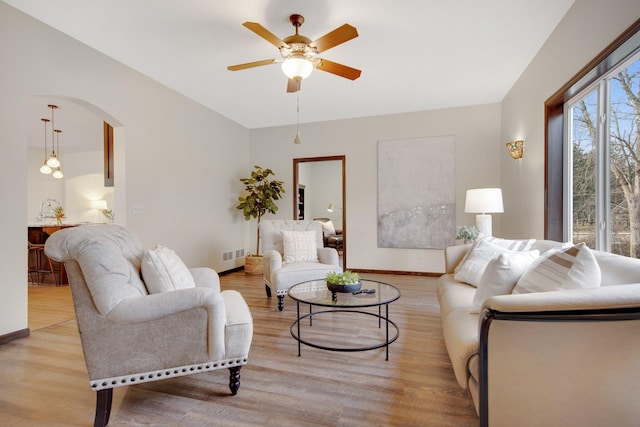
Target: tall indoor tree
x=259, y=197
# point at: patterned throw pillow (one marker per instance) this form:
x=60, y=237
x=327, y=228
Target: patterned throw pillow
x=164, y=271
x=299, y=246
x=572, y=267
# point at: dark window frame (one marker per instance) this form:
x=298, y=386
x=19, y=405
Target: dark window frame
x=617, y=52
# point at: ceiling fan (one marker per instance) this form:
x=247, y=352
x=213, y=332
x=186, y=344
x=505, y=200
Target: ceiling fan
x=300, y=54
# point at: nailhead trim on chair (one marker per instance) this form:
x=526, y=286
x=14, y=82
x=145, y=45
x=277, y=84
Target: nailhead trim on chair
x=179, y=371
x=318, y=287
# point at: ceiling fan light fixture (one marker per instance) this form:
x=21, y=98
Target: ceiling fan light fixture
x=297, y=67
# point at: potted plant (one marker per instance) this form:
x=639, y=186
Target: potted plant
x=258, y=198
x=58, y=211
x=108, y=213
x=467, y=233
x=343, y=282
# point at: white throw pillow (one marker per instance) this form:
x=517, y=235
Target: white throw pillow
x=513, y=245
x=164, y=271
x=299, y=246
x=328, y=228
x=572, y=267
x=501, y=276
x=472, y=267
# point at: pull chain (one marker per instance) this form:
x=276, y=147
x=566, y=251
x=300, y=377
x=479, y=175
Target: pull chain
x=297, y=139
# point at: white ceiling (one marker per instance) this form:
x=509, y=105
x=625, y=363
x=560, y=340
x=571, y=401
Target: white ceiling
x=414, y=55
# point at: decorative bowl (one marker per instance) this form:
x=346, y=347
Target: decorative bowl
x=335, y=287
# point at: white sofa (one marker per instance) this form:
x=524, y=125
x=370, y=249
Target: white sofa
x=562, y=358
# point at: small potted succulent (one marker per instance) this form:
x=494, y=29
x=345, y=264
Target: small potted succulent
x=343, y=282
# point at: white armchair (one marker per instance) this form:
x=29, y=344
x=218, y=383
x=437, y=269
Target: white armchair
x=283, y=270
x=130, y=336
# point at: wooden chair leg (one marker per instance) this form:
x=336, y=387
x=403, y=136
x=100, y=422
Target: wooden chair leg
x=53, y=272
x=234, y=379
x=103, y=407
x=280, y=302
x=268, y=290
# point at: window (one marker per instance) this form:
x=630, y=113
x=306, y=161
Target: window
x=592, y=187
x=602, y=160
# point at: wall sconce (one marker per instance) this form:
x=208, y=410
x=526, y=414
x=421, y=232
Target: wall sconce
x=516, y=149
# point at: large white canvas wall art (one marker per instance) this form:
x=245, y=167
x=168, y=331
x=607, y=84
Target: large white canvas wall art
x=416, y=193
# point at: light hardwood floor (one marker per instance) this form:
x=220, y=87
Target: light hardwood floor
x=44, y=380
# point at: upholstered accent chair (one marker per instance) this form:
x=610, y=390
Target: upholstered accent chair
x=130, y=335
x=293, y=253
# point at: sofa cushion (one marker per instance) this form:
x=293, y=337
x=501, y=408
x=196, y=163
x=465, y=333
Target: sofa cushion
x=298, y=272
x=472, y=267
x=460, y=330
x=164, y=271
x=571, y=267
x=299, y=246
x=617, y=269
x=453, y=294
x=501, y=275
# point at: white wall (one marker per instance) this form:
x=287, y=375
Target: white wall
x=588, y=28
x=477, y=131
x=183, y=161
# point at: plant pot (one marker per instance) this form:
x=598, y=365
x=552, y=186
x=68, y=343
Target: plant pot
x=253, y=264
x=335, y=287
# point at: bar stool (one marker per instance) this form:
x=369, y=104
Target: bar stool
x=36, y=269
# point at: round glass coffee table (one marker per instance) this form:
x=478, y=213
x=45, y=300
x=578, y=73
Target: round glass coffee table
x=372, y=294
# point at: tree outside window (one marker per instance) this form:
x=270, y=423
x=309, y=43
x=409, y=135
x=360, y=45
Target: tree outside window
x=605, y=182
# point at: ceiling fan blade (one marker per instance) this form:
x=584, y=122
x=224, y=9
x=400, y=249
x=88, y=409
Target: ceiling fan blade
x=251, y=65
x=338, y=69
x=335, y=37
x=293, y=85
x=265, y=34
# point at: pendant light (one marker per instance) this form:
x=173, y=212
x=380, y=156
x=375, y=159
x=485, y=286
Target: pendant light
x=45, y=169
x=57, y=173
x=297, y=139
x=53, y=161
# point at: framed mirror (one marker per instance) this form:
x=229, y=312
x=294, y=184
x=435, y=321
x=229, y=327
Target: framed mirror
x=319, y=193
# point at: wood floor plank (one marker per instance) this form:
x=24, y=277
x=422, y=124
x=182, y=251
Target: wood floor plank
x=44, y=380
x=49, y=305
